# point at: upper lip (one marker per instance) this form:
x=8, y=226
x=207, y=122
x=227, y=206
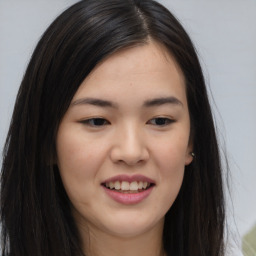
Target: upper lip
x=136, y=177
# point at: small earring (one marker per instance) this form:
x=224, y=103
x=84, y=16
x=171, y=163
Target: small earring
x=192, y=154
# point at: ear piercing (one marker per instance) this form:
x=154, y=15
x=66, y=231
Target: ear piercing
x=192, y=154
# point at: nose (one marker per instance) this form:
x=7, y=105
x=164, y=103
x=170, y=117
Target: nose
x=129, y=146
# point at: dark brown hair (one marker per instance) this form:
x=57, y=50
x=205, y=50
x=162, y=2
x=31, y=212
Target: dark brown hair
x=35, y=211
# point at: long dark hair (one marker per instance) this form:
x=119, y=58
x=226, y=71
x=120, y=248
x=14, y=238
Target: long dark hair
x=35, y=211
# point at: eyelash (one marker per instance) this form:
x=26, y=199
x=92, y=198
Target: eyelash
x=93, y=122
x=98, y=122
x=164, y=121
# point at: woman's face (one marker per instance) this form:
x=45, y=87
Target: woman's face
x=124, y=141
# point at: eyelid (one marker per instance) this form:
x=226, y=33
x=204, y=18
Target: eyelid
x=98, y=122
x=167, y=120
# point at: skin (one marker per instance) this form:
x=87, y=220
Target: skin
x=136, y=138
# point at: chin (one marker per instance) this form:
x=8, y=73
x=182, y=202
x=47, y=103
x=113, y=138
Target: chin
x=128, y=226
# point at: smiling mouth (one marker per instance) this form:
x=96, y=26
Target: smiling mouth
x=128, y=187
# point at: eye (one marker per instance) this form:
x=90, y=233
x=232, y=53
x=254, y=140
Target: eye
x=160, y=121
x=95, y=122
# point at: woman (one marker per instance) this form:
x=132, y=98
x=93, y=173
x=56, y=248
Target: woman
x=112, y=147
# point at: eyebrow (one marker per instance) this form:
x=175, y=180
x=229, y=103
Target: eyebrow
x=95, y=102
x=148, y=103
x=163, y=100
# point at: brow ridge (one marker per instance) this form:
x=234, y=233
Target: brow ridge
x=95, y=102
x=148, y=103
x=161, y=101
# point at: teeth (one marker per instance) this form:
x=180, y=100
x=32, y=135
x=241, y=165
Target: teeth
x=117, y=185
x=126, y=186
x=134, y=185
x=111, y=185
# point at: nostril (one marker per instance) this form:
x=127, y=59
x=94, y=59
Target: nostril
x=131, y=151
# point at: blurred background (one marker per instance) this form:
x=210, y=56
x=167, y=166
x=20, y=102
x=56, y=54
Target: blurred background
x=224, y=33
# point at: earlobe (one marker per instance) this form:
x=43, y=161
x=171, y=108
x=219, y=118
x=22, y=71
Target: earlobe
x=189, y=159
x=190, y=155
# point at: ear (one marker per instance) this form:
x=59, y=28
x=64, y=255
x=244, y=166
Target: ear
x=189, y=157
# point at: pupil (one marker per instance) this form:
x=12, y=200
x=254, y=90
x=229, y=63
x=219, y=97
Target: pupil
x=160, y=121
x=99, y=121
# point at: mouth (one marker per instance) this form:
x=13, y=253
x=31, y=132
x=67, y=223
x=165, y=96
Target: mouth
x=127, y=187
x=128, y=190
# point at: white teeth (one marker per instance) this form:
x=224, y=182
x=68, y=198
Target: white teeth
x=111, y=185
x=140, y=184
x=126, y=186
x=134, y=185
x=117, y=185
x=145, y=184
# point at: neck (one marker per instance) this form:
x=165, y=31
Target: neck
x=98, y=243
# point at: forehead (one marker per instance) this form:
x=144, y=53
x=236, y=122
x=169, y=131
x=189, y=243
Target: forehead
x=138, y=59
x=145, y=69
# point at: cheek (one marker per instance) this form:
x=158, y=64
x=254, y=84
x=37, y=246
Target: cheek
x=172, y=171
x=172, y=153
x=77, y=165
x=170, y=157
x=75, y=151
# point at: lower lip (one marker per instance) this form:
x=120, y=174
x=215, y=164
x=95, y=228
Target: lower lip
x=128, y=198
